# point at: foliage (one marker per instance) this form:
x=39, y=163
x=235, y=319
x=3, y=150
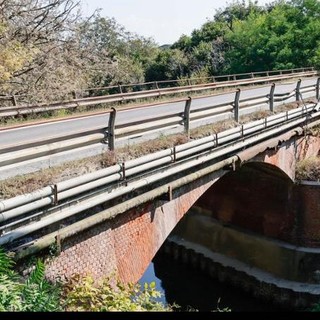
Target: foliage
x=49, y=49
x=314, y=308
x=36, y=46
x=36, y=294
x=33, y=294
x=83, y=294
x=170, y=64
x=246, y=37
x=287, y=36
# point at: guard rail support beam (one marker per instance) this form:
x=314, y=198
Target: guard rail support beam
x=111, y=129
x=236, y=105
x=271, y=97
x=298, y=90
x=318, y=89
x=14, y=100
x=187, y=117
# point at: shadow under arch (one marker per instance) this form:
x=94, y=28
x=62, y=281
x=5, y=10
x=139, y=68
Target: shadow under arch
x=255, y=197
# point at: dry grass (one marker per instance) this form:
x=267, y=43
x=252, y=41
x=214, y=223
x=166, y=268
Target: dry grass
x=33, y=181
x=308, y=169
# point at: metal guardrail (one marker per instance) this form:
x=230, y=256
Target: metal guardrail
x=188, y=116
x=17, y=110
x=183, y=120
x=192, y=81
x=132, y=87
x=27, y=214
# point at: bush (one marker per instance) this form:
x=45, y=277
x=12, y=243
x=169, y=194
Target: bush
x=36, y=294
x=83, y=294
x=33, y=294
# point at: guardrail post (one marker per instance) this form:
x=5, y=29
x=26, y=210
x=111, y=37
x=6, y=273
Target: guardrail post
x=318, y=89
x=298, y=90
x=14, y=100
x=271, y=97
x=236, y=105
x=55, y=195
x=187, y=117
x=111, y=127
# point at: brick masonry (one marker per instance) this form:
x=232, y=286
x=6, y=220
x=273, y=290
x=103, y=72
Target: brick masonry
x=262, y=196
x=124, y=246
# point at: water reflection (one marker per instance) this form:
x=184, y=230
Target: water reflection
x=190, y=288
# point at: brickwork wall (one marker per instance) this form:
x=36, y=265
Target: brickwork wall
x=307, y=207
x=263, y=199
x=125, y=245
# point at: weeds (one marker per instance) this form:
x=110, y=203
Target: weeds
x=308, y=169
x=33, y=181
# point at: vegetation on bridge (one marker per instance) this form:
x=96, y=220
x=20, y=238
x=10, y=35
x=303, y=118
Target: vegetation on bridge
x=49, y=48
x=33, y=181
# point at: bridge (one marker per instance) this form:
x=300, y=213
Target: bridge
x=114, y=220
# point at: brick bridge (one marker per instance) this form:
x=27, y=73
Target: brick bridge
x=257, y=194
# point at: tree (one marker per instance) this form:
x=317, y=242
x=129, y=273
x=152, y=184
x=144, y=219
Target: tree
x=41, y=31
x=237, y=11
x=13, y=56
x=170, y=64
x=285, y=37
x=111, y=54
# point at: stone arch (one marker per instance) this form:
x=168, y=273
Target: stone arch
x=256, y=197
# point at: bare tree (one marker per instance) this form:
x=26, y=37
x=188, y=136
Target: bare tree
x=42, y=29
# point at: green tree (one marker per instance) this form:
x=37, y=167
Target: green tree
x=287, y=36
x=170, y=64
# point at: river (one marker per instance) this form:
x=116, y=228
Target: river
x=193, y=290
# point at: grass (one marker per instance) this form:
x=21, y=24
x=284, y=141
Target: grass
x=30, y=182
x=308, y=169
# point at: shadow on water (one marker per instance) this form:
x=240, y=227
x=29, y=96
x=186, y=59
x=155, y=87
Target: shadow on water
x=191, y=289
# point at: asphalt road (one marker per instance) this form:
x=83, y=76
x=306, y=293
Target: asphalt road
x=63, y=128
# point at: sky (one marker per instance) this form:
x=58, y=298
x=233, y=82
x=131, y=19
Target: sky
x=163, y=20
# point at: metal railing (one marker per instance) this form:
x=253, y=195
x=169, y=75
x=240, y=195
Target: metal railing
x=182, y=121
x=24, y=109
x=29, y=213
x=122, y=88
